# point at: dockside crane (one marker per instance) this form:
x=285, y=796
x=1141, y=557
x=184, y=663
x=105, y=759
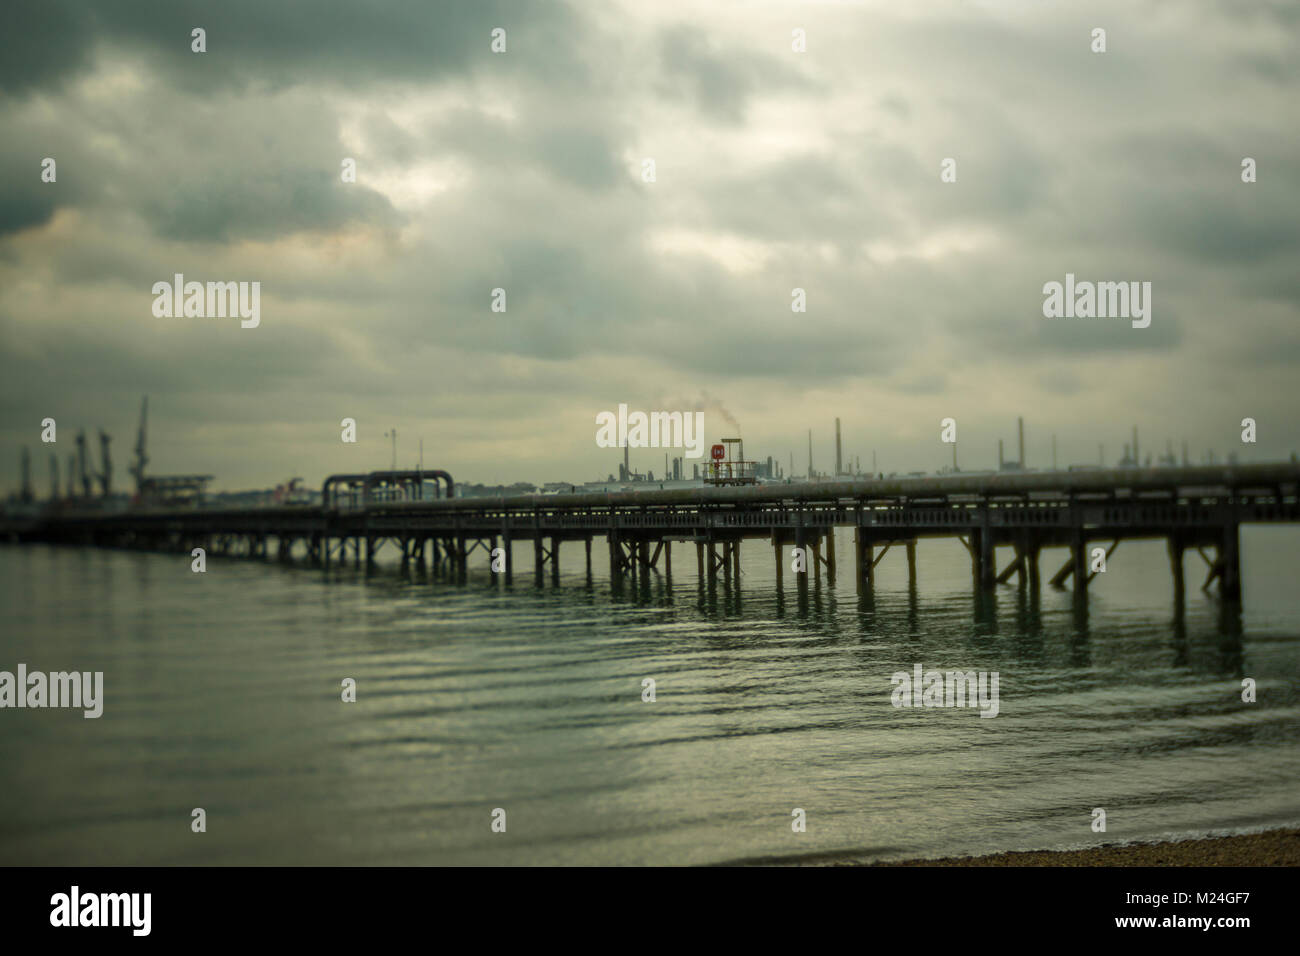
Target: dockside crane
x=105, y=475
x=141, y=459
x=81, y=463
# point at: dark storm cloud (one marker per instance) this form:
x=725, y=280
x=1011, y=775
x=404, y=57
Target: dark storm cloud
x=41, y=44
x=278, y=203
x=26, y=201
x=227, y=170
x=720, y=83
x=22, y=211
x=279, y=43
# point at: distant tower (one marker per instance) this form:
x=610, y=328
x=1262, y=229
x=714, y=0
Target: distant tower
x=54, y=477
x=839, y=464
x=27, y=494
x=810, y=470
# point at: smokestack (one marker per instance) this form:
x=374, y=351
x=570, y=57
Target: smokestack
x=1022, y=443
x=810, y=471
x=839, y=465
x=627, y=471
x=1136, y=461
x=1184, y=454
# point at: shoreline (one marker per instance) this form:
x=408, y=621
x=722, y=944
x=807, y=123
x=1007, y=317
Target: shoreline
x=1270, y=848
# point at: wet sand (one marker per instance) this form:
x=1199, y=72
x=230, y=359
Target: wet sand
x=1274, y=848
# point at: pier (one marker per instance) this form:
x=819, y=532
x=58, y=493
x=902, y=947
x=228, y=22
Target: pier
x=1191, y=508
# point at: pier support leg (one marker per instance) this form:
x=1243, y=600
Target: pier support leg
x=713, y=565
x=988, y=560
x=539, y=559
x=869, y=559
x=830, y=555
x=911, y=562
x=1176, y=567
x=1022, y=556
x=588, y=544
x=1230, y=558
x=735, y=560
x=1079, y=551
x=857, y=557
x=780, y=566
x=555, y=560
x=1031, y=558
x=699, y=559
x=668, y=560
x=801, y=542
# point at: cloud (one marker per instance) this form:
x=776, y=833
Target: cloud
x=521, y=171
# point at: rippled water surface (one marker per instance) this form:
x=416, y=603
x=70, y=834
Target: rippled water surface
x=222, y=691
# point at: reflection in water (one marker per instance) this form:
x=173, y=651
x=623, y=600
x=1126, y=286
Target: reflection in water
x=222, y=690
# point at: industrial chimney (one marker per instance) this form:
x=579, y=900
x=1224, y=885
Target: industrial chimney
x=839, y=465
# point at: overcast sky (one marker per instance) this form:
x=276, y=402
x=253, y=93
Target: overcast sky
x=775, y=169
